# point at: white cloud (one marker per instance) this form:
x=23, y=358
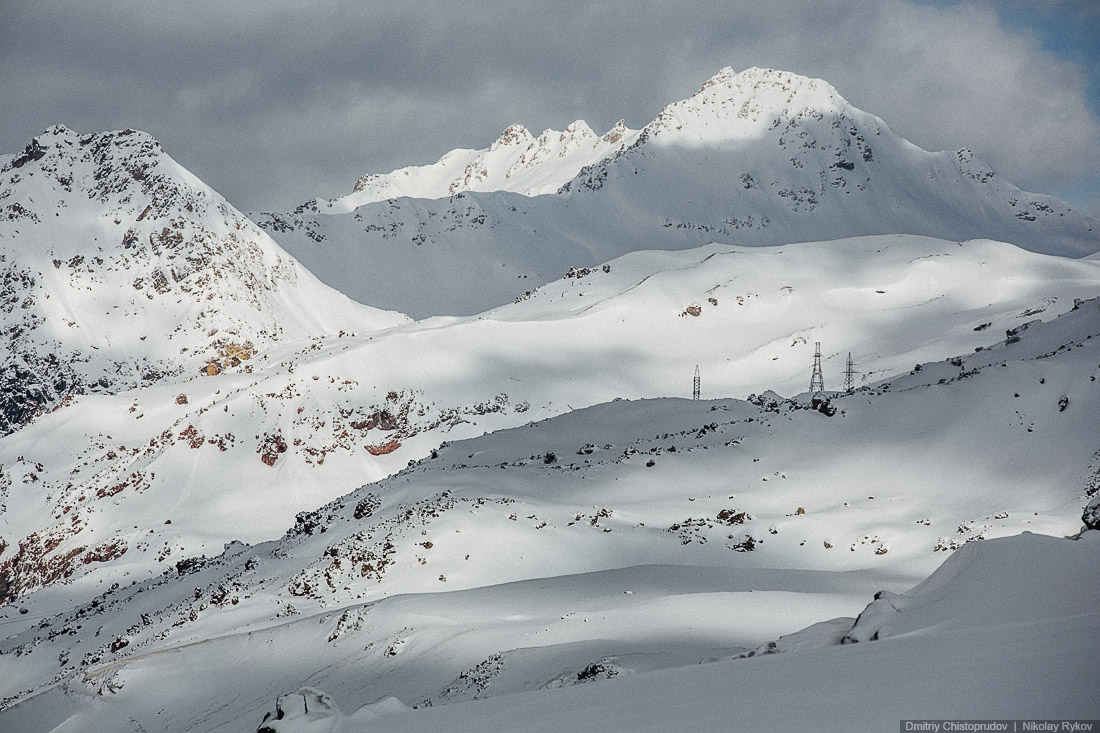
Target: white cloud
x=954, y=78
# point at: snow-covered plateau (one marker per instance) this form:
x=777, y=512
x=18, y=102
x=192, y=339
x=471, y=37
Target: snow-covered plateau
x=241, y=489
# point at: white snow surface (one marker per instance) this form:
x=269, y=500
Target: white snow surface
x=957, y=655
x=626, y=566
x=115, y=487
x=763, y=157
x=516, y=161
x=507, y=515
x=120, y=267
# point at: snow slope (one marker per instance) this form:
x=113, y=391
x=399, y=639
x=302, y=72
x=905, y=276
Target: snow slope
x=959, y=659
x=763, y=157
x=514, y=505
x=119, y=268
x=119, y=487
x=588, y=563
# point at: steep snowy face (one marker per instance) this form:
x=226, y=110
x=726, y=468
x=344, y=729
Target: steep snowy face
x=793, y=138
x=787, y=152
x=517, y=161
x=757, y=158
x=120, y=268
x=732, y=106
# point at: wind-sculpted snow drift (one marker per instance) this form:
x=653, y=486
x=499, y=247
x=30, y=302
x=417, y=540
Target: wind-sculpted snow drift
x=763, y=157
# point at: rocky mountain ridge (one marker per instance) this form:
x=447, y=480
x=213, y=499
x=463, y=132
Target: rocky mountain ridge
x=516, y=161
x=759, y=158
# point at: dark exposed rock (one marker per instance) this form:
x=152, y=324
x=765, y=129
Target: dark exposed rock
x=33, y=151
x=1091, y=515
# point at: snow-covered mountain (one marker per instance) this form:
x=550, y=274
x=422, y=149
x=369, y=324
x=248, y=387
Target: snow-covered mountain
x=763, y=157
x=634, y=540
x=120, y=268
x=123, y=486
x=516, y=161
x=517, y=502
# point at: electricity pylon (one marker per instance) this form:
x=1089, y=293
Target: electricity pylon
x=849, y=375
x=817, y=382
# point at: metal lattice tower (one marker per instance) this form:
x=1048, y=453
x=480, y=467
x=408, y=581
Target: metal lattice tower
x=817, y=382
x=849, y=375
x=695, y=387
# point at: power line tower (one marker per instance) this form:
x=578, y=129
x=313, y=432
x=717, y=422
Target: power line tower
x=849, y=375
x=817, y=382
x=695, y=387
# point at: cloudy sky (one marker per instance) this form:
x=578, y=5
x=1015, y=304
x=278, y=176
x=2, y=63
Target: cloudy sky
x=276, y=102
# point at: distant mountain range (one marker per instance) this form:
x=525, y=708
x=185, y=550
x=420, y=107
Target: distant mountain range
x=418, y=441
x=763, y=157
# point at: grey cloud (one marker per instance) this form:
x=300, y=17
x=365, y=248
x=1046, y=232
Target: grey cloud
x=273, y=103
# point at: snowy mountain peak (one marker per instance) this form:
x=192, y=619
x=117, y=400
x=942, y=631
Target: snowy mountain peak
x=579, y=128
x=514, y=135
x=119, y=268
x=728, y=106
x=126, y=170
x=516, y=161
x=721, y=76
x=760, y=157
x=616, y=133
x=733, y=106
x=37, y=148
x=575, y=133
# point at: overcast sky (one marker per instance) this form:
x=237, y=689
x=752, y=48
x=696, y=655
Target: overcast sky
x=276, y=102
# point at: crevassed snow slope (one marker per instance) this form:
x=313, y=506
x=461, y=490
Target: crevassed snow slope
x=633, y=540
x=133, y=483
x=763, y=157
